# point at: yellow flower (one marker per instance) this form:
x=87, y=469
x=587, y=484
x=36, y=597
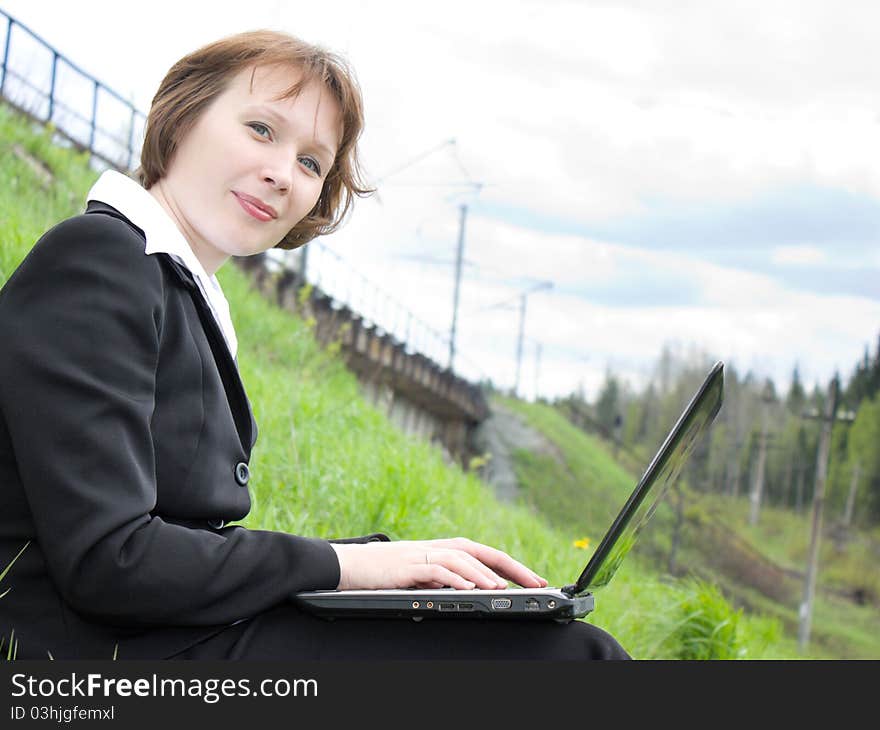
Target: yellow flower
x=583, y=543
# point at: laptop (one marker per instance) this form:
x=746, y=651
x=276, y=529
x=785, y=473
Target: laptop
x=560, y=604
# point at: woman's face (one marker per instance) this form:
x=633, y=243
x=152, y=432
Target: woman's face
x=251, y=167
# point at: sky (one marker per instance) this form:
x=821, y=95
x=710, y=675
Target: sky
x=699, y=175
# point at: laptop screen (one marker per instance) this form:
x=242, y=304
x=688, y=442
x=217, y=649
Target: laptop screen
x=662, y=472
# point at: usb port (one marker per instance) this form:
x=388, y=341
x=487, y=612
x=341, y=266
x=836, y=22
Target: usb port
x=465, y=606
x=447, y=606
x=499, y=604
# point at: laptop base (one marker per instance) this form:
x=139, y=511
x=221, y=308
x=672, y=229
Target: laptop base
x=510, y=603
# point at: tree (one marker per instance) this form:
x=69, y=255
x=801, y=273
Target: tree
x=862, y=448
x=796, y=397
x=858, y=387
x=608, y=404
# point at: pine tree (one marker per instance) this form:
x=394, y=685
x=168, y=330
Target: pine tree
x=796, y=397
x=874, y=377
x=608, y=404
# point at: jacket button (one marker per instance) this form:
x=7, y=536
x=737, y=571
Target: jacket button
x=242, y=473
x=216, y=524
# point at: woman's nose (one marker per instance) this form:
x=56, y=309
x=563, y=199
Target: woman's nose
x=278, y=180
x=279, y=174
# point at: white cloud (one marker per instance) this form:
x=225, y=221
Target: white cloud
x=798, y=255
x=750, y=319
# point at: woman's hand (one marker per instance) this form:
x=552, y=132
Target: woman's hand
x=456, y=562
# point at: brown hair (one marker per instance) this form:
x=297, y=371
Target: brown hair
x=198, y=78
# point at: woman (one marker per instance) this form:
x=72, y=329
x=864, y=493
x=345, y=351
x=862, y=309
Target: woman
x=125, y=431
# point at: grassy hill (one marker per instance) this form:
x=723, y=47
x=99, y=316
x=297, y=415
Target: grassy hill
x=328, y=464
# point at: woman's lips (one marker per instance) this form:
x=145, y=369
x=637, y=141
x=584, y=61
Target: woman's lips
x=255, y=207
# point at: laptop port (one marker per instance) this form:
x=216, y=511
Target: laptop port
x=447, y=606
x=532, y=604
x=465, y=606
x=499, y=604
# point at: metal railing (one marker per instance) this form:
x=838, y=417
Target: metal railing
x=46, y=85
x=348, y=287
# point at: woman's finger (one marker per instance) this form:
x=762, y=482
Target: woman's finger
x=436, y=573
x=430, y=585
x=502, y=563
x=508, y=566
x=468, y=567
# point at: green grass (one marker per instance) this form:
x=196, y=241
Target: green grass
x=580, y=479
x=328, y=464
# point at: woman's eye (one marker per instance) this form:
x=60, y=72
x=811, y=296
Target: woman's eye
x=260, y=128
x=312, y=164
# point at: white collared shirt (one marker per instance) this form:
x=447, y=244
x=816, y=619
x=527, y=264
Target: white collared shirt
x=163, y=236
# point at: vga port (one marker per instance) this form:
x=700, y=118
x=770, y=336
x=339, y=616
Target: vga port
x=499, y=604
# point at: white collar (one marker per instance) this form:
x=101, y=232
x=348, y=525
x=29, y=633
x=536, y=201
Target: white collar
x=163, y=236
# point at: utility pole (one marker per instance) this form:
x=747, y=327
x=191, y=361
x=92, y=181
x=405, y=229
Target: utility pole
x=458, y=261
x=522, y=321
x=458, y=258
x=828, y=419
x=519, y=340
x=732, y=486
x=537, y=368
x=758, y=483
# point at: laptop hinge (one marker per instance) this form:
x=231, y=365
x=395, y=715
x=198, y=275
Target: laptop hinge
x=569, y=591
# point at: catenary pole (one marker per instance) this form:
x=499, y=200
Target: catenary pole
x=519, y=341
x=522, y=320
x=758, y=483
x=806, y=609
x=458, y=259
x=537, y=369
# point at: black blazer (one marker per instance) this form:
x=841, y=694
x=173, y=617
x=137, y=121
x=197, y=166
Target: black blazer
x=125, y=436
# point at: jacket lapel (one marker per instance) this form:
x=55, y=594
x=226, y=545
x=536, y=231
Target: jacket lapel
x=226, y=365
